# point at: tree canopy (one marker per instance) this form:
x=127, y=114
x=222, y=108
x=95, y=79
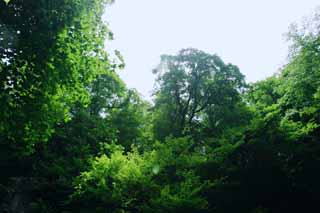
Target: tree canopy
x=194, y=88
x=75, y=138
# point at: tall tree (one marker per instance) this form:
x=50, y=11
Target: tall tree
x=191, y=87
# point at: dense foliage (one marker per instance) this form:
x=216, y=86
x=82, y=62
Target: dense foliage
x=74, y=138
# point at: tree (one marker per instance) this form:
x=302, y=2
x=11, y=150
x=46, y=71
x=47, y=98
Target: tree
x=49, y=53
x=114, y=115
x=192, y=86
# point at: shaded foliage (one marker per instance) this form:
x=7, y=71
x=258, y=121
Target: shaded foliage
x=209, y=143
x=194, y=90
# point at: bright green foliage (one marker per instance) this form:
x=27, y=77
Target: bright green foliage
x=291, y=99
x=50, y=51
x=117, y=182
x=75, y=143
x=142, y=182
x=208, y=143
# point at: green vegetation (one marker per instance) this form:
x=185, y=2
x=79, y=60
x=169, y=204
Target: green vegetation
x=74, y=138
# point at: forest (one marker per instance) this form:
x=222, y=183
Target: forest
x=75, y=138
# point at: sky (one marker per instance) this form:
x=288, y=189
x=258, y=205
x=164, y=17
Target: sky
x=247, y=33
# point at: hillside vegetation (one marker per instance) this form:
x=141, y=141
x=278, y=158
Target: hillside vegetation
x=74, y=138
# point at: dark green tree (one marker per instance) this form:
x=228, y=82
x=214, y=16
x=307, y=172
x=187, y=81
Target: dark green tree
x=193, y=87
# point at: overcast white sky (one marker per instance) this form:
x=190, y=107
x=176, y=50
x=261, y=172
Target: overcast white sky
x=247, y=33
